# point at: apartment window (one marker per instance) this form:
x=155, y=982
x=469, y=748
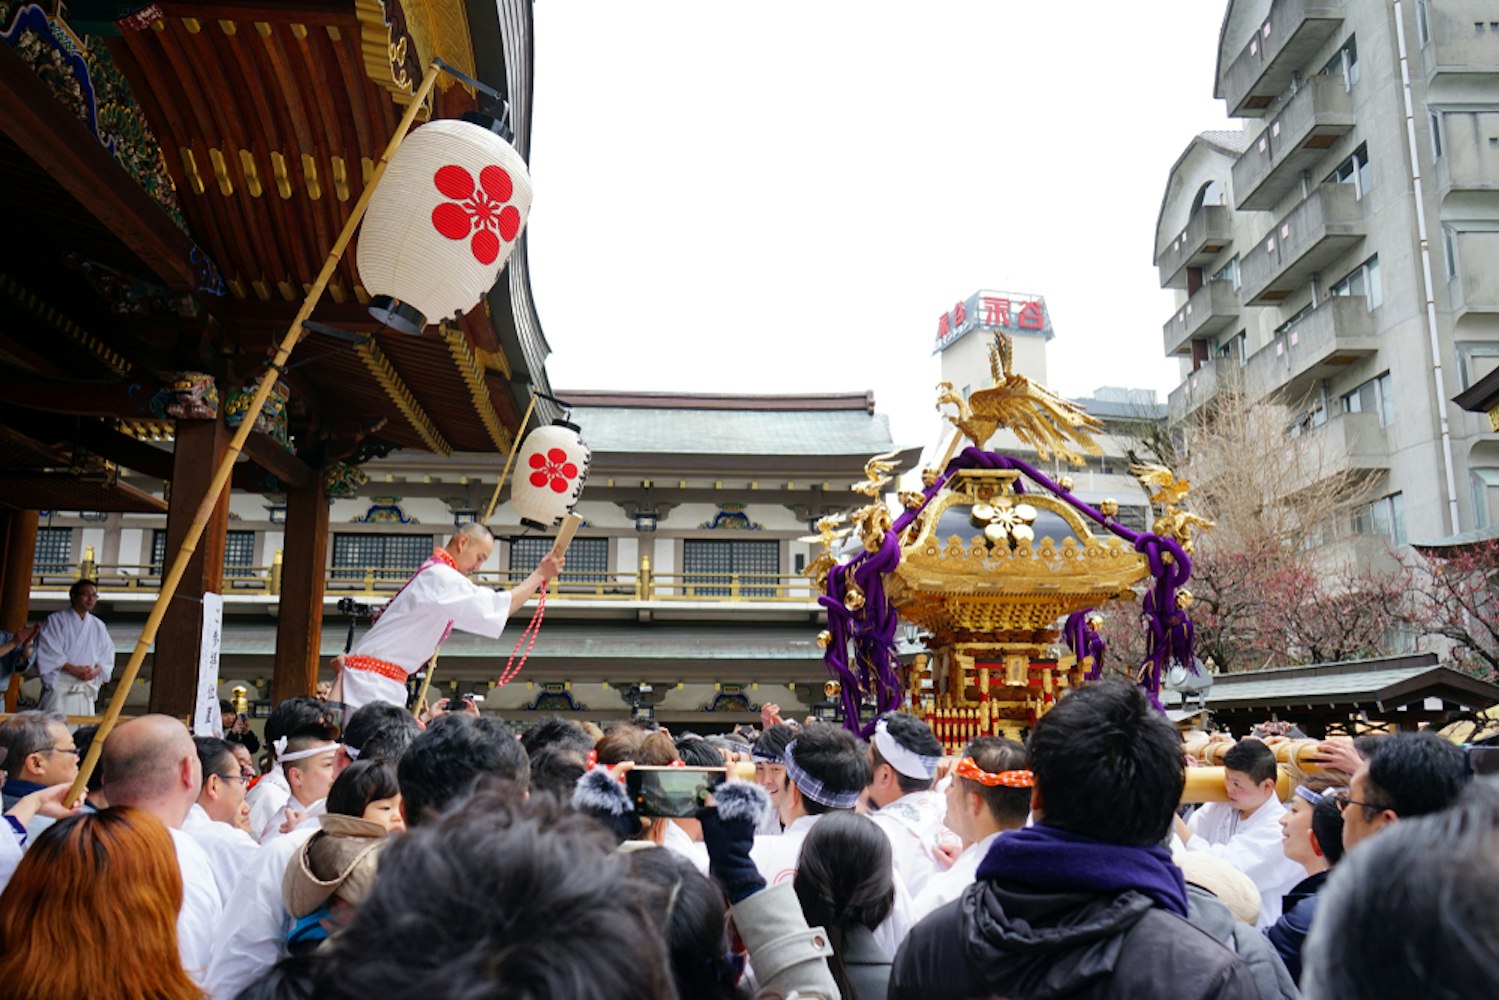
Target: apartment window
x=587, y=558
x=1313, y=417
x=1484, y=480
x=1449, y=250
x=708, y=564
x=1134, y=518
x=1436, y=135
x=1236, y=347
x=1289, y=324
x=1344, y=64
x=1229, y=272
x=239, y=550
x=387, y=557
x=54, y=550
x=1375, y=396
x=1354, y=170
x=1477, y=360
x=1362, y=280
x=1423, y=25
x=1387, y=516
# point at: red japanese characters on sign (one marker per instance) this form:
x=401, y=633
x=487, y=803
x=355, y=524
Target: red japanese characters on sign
x=994, y=310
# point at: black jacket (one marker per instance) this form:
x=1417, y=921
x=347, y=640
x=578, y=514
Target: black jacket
x=1007, y=941
x=867, y=965
x=1288, y=934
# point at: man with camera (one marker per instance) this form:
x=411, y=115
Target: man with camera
x=409, y=630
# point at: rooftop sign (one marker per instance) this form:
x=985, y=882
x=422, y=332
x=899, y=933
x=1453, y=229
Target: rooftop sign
x=1012, y=312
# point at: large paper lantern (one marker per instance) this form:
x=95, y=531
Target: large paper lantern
x=549, y=476
x=442, y=222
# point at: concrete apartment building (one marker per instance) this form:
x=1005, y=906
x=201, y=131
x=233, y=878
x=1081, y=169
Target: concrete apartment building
x=1340, y=254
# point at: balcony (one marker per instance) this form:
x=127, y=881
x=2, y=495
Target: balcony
x=1278, y=51
x=1317, y=232
x=1457, y=48
x=1212, y=309
x=1470, y=162
x=1293, y=142
x=1349, y=442
x=1475, y=289
x=1207, y=234
x=1334, y=335
x=1200, y=388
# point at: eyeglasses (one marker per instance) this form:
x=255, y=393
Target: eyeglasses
x=72, y=750
x=232, y=777
x=1343, y=802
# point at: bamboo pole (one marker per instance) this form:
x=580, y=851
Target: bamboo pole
x=237, y=443
x=520, y=432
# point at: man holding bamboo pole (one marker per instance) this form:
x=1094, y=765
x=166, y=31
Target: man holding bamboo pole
x=438, y=598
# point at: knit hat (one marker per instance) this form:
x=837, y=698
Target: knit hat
x=339, y=860
x=1233, y=888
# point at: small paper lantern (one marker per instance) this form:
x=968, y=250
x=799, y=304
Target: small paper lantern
x=550, y=473
x=442, y=222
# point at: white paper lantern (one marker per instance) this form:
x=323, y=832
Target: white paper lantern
x=549, y=474
x=442, y=222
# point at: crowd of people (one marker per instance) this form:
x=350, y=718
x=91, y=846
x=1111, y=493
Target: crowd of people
x=460, y=858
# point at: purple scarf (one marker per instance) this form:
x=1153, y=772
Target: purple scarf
x=1044, y=857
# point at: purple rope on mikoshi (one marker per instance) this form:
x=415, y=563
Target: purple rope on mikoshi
x=868, y=634
x=1083, y=641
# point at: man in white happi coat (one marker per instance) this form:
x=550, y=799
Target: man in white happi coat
x=151, y=764
x=826, y=771
x=212, y=821
x=989, y=792
x=74, y=654
x=1245, y=831
x=408, y=631
x=904, y=755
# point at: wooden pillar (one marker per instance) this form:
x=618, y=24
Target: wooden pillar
x=299, y=623
x=15, y=581
x=200, y=444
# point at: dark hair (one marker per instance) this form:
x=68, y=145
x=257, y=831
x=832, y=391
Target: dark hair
x=994, y=754
x=556, y=770
x=534, y=902
x=1411, y=912
x=77, y=588
x=83, y=738
x=619, y=744
x=844, y=880
x=1327, y=827
x=361, y=783
x=225, y=707
x=302, y=715
x=772, y=742
x=457, y=754
x=1414, y=774
x=833, y=756
x=381, y=730
x=691, y=914
x=211, y=754
x=698, y=752
x=1108, y=765
x=916, y=736
x=562, y=734
x=1253, y=758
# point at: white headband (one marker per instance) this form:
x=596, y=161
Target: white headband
x=907, y=762
x=282, y=757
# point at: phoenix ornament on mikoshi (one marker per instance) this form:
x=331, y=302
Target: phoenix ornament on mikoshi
x=989, y=606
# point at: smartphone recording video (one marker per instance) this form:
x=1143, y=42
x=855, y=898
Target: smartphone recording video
x=671, y=792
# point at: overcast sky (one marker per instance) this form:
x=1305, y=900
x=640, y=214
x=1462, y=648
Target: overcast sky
x=777, y=197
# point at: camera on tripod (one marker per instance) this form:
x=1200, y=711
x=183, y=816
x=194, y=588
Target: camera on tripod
x=349, y=606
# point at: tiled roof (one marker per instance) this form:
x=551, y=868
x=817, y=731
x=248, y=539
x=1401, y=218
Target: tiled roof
x=732, y=432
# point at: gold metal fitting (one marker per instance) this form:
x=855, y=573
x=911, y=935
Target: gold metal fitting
x=824, y=639
x=832, y=689
x=853, y=599
x=1109, y=508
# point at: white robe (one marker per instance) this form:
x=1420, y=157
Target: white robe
x=944, y=887
x=267, y=798
x=255, y=939
x=229, y=848
x=10, y=853
x=777, y=857
x=273, y=828
x=1253, y=846
x=914, y=825
x=66, y=638
x=412, y=625
x=198, y=921
x=678, y=841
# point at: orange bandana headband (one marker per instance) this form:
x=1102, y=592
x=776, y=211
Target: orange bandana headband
x=1009, y=779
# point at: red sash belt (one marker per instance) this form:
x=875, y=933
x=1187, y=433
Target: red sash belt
x=375, y=666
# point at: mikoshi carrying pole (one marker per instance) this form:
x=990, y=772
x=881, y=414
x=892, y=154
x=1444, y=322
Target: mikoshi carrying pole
x=236, y=444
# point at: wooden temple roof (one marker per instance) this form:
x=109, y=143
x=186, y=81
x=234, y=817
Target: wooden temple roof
x=179, y=176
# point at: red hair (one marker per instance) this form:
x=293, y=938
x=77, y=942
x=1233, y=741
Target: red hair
x=92, y=911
